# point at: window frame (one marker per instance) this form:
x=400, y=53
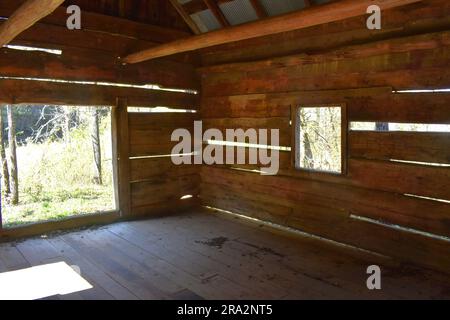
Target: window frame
x=82, y=220
x=295, y=138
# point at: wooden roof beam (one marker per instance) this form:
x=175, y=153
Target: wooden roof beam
x=215, y=9
x=26, y=16
x=186, y=17
x=311, y=16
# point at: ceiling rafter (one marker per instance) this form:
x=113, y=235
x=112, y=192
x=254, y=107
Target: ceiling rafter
x=26, y=16
x=186, y=17
x=215, y=9
x=259, y=9
x=316, y=15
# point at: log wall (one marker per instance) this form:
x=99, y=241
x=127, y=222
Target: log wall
x=400, y=209
x=157, y=185
x=93, y=53
x=87, y=73
x=390, y=207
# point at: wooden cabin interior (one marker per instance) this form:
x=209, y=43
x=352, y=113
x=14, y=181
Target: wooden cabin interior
x=230, y=231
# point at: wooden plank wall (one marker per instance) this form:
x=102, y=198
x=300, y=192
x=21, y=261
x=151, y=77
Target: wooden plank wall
x=157, y=185
x=344, y=63
x=93, y=53
x=146, y=185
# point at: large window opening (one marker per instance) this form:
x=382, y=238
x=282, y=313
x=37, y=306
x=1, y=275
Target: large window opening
x=320, y=138
x=57, y=162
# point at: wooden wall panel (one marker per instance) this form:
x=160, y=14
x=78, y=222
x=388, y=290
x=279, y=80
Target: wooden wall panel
x=414, y=69
x=393, y=46
x=94, y=65
x=403, y=208
x=366, y=104
x=431, y=147
x=147, y=168
x=150, y=134
x=35, y=92
x=426, y=16
x=248, y=203
x=146, y=185
x=157, y=185
x=278, y=123
x=161, y=190
x=279, y=104
x=324, y=209
x=401, y=178
x=164, y=189
x=285, y=159
x=390, y=207
x=105, y=24
x=425, y=108
x=93, y=53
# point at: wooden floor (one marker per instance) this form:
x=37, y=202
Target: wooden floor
x=200, y=255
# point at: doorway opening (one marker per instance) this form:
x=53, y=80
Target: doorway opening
x=56, y=162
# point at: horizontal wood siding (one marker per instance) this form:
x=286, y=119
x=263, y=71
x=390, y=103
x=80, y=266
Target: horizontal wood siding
x=394, y=199
x=150, y=134
x=410, y=146
x=419, y=69
x=94, y=52
x=93, y=55
x=158, y=185
x=324, y=209
x=411, y=19
x=40, y=92
x=77, y=64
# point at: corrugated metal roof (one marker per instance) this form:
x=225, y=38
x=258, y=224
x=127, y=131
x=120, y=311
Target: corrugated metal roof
x=274, y=8
x=241, y=11
x=203, y=20
x=238, y=12
x=208, y=20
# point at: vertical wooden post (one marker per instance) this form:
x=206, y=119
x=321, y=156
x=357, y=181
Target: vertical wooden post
x=122, y=143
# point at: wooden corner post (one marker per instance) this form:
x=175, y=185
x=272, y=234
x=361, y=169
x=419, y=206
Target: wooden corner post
x=122, y=143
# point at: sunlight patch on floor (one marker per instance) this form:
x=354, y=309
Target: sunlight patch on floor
x=41, y=282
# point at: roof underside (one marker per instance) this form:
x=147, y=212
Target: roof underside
x=162, y=12
x=154, y=12
x=241, y=11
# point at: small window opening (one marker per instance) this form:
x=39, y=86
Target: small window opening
x=319, y=138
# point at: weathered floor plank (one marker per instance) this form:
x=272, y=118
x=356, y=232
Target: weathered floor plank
x=205, y=255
